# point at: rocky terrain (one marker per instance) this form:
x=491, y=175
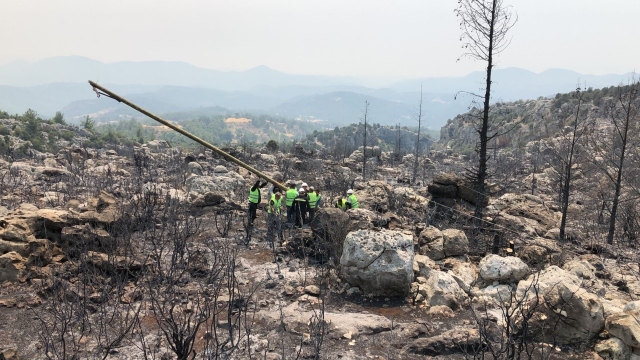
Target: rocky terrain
x=145, y=252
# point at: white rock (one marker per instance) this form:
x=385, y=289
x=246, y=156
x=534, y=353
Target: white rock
x=626, y=327
x=580, y=268
x=379, y=262
x=442, y=289
x=613, y=348
x=504, y=269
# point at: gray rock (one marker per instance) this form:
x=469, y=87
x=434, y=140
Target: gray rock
x=447, y=343
x=217, y=184
x=613, y=348
x=431, y=243
x=441, y=288
x=562, y=304
x=504, y=269
x=220, y=170
x=625, y=326
x=194, y=168
x=312, y=290
x=379, y=262
x=157, y=146
x=580, y=268
x=455, y=242
x=13, y=267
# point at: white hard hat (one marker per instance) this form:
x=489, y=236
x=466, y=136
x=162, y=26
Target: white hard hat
x=303, y=185
x=349, y=191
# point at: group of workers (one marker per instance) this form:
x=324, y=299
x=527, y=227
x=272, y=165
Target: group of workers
x=300, y=203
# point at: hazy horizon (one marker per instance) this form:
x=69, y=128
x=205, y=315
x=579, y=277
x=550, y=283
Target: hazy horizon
x=291, y=73
x=411, y=39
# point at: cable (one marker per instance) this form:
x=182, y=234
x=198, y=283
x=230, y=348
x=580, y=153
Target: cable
x=475, y=217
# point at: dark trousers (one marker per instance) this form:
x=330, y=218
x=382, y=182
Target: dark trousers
x=252, y=211
x=301, y=216
x=290, y=214
x=312, y=213
x=274, y=227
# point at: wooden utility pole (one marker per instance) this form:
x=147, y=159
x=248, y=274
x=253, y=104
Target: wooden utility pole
x=103, y=91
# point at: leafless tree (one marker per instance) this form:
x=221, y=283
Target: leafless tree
x=612, y=151
x=364, y=140
x=417, y=151
x=484, y=25
x=564, y=152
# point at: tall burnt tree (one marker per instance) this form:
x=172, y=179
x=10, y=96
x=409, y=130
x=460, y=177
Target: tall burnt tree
x=417, y=150
x=484, y=25
x=612, y=151
x=364, y=140
x=565, y=153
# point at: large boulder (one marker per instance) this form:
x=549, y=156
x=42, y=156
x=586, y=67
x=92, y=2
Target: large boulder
x=523, y=213
x=567, y=314
x=499, y=294
x=431, y=243
x=452, y=186
x=454, y=341
x=580, y=268
x=563, y=311
x=103, y=211
x=12, y=267
x=455, y=242
x=541, y=281
x=440, y=288
x=28, y=222
x=463, y=271
x=225, y=183
x=412, y=202
x=369, y=152
x=540, y=251
x=157, y=146
x=614, y=349
x=503, y=269
x=378, y=262
x=361, y=219
x=330, y=227
x=626, y=327
x=78, y=238
x=194, y=168
x=375, y=195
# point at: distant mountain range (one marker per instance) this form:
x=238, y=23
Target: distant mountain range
x=60, y=84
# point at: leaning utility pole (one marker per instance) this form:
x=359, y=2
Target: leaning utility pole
x=103, y=91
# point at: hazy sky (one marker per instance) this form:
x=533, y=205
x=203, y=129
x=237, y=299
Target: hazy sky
x=382, y=38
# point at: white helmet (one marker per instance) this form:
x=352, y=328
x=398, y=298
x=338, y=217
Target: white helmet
x=303, y=185
x=349, y=191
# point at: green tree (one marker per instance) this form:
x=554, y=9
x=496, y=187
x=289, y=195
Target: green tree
x=272, y=146
x=88, y=123
x=59, y=118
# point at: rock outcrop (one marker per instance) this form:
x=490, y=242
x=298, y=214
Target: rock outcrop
x=503, y=269
x=378, y=262
x=440, y=288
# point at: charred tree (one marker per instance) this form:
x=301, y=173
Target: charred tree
x=484, y=25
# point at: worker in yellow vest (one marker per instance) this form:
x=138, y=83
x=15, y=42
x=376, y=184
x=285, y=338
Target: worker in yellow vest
x=301, y=208
x=341, y=204
x=273, y=219
x=254, y=199
x=314, y=196
x=352, y=202
x=291, y=194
